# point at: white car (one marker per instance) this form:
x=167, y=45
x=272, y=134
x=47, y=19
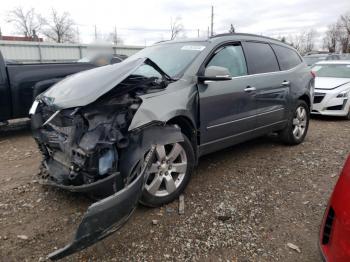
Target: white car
x=332, y=88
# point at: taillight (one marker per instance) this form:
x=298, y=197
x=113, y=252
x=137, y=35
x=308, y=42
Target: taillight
x=313, y=74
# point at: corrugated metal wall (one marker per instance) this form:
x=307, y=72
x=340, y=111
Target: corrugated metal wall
x=29, y=52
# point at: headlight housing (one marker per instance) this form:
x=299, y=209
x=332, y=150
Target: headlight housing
x=343, y=94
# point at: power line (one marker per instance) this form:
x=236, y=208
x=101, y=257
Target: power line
x=140, y=28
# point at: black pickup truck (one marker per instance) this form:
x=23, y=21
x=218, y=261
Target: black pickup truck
x=21, y=83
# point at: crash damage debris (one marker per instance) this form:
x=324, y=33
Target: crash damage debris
x=181, y=204
x=294, y=247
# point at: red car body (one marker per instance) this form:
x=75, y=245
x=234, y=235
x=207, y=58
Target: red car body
x=335, y=229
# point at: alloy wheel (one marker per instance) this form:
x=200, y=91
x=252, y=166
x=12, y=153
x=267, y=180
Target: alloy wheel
x=299, y=122
x=167, y=171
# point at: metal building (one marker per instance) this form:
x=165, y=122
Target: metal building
x=31, y=52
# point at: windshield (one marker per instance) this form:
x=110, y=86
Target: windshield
x=332, y=70
x=172, y=58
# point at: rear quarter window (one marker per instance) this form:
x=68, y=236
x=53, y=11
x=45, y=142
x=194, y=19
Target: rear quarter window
x=260, y=58
x=287, y=57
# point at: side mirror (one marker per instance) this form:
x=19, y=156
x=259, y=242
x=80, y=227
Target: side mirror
x=215, y=73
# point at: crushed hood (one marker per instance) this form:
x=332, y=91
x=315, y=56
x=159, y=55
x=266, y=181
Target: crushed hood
x=85, y=87
x=328, y=83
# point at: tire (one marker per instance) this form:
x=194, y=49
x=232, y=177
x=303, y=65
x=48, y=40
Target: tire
x=298, y=123
x=348, y=115
x=160, y=176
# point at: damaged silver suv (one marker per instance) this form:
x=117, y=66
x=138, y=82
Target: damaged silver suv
x=133, y=131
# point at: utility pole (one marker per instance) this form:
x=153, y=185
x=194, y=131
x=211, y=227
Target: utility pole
x=95, y=33
x=212, y=21
x=208, y=32
x=115, y=35
x=198, y=32
x=78, y=34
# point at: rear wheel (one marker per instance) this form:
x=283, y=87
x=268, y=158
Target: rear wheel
x=170, y=172
x=298, y=124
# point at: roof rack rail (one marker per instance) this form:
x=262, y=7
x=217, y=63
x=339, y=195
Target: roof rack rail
x=245, y=34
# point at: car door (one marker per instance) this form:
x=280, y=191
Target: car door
x=270, y=84
x=226, y=107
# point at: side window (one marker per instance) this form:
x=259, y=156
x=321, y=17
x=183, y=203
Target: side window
x=232, y=58
x=287, y=57
x=260, y=58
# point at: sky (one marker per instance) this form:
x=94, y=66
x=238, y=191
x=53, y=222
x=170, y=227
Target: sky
x=148, y=21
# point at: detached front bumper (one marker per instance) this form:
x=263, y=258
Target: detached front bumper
x=109, y=214
x=327, y=103
x=106, y=216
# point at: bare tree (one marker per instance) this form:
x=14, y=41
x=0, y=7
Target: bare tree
x=26, y=22
x=60, y=27
x=297, y=42
x=176, y=27
x=344, y=32
x=304, y=42
x=309, y=38
x=232, y=29
x=330, y=39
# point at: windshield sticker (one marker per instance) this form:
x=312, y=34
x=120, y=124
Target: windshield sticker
x=316, y=68
x=193, y=47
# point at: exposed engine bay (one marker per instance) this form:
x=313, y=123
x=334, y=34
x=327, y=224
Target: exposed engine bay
x=83, y=145
x=91, y=149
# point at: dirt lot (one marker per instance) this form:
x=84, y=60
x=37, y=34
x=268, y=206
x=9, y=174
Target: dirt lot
x=244, y=203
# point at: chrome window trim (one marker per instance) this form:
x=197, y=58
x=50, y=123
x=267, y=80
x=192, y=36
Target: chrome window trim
x=239, y=42
x=269, y=73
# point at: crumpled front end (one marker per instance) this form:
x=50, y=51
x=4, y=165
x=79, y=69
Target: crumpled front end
x=90, y=149
x=82, y=146
x=83, y=141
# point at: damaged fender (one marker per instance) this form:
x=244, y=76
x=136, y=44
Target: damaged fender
x=109, y=214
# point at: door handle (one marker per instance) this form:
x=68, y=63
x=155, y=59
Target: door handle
x=249, y=89
x=285, y=83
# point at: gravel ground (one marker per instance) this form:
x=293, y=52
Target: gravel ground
x=244, y=203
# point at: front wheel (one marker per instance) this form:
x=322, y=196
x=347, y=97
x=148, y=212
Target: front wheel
x=170, y=172
x=298, y=124
x=348, y=115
